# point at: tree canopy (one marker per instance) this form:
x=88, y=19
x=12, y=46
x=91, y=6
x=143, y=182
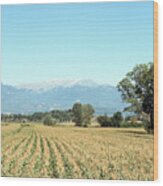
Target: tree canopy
x=82, y=114
x=137, y=89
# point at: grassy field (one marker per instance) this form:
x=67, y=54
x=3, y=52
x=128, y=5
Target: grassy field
x=72, y=152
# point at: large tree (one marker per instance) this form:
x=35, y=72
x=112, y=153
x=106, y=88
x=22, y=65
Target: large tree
x=137, y=89
x=87, y=114
x=83, y=114
x=77, y=114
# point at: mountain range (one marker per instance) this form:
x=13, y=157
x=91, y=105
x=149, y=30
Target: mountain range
x=60, y=94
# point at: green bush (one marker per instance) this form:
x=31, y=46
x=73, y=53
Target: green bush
x=49, y=121
x=127, y=124
x=104, y=121
x=25, y=124
x=117, y=119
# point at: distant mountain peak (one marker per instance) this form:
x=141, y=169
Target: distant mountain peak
x=66, y=83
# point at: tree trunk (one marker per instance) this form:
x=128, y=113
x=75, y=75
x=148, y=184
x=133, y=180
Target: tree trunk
x=152, y=121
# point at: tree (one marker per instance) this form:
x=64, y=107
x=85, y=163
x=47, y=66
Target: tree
x=62, y=115
x=117, y=119
x=82, y=114
x=87, y=114
x=137, y=89
x=77, y=114
x=48, y=120
x=104, y=121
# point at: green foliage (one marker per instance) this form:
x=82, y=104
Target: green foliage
x=137, y=89
x=77, y=114
x=52, y=161
x=48, y=120
x=117, y=119
x=25, y=124
x=82, y=114
x=62, y=115
x=104, y=121
x=67, y=164
x=114, y=121
x=14, y=118
x=130, y=124
x=58, y=115
x=87, y=114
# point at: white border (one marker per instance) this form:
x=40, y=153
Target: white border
x=59, y=1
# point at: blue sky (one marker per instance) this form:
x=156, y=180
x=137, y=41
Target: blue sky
x=98, y=41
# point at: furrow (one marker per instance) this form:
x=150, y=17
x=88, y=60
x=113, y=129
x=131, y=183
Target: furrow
x=52, y=161
x=14, y=161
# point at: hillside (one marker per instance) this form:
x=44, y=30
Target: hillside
x=31, y=98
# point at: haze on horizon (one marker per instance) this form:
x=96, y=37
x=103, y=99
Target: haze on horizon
x=97, y=41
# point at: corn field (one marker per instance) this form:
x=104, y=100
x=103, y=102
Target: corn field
x=72, y=152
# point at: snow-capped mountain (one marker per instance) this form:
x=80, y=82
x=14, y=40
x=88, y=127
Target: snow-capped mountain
x=60, y=94
x=55, y=83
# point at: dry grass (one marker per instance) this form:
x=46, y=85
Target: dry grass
x=71, y=152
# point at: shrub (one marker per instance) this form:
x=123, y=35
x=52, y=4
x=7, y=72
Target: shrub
x=48, y=120
x=104, y=121
x=117, y=119
x=25, y=124
x=128, y=124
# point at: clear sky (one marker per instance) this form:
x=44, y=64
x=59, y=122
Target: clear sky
x=98, y=41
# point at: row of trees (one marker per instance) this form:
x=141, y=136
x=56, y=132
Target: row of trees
x=14, y=117
x=81, y=115
x=58, y=115
x=114, y=121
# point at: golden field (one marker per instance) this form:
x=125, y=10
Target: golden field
x=73, y=152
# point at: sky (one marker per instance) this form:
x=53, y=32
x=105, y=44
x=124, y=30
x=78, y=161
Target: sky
x=97, y=41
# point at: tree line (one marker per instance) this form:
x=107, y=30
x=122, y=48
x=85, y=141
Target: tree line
x=58, y=115
x=80, y=114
